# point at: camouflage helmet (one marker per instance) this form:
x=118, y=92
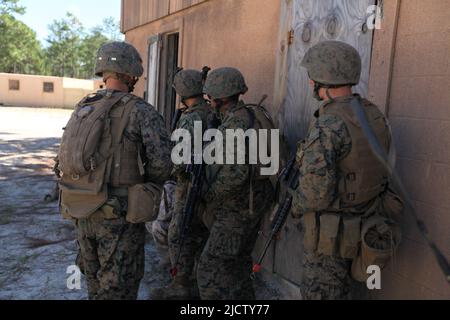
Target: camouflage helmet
x=225, y=82
x=119, y=57
x=188, y=83
x=333, y=63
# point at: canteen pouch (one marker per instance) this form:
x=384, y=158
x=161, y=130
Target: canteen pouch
x=329, y=231
x=350, y=238
x=143, y=203
x=369, y=256
x=311, y=228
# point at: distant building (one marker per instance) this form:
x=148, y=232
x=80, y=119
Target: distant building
x=43, y=91
x=406, y=72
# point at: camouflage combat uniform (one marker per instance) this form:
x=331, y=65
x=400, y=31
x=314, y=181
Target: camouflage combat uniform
x=125, y=143
x=226, y=263
x=328, y=141
x=198, y=231
x=111, y=248
x=335, y=177
x=188, y=84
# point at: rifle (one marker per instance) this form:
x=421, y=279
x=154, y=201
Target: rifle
x=176, y=118
x=190, y=208
x=192, y=201
x=289, y=175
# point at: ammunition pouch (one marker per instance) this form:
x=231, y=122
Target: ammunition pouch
x=328, y=235
x=311, y=227
x=143, y=203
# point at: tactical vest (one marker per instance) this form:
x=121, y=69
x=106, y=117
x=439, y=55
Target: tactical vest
x=361, y=176
x=96, y=153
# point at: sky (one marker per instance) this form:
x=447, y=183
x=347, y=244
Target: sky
x=41, y=13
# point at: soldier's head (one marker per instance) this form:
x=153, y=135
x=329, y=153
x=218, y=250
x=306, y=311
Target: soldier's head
x=188, y=84
x=332, y=66
x=120, y=65
x=224, y=86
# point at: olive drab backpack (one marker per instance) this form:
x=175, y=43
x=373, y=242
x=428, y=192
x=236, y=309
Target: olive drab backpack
x=261, y=119
x=86, y=146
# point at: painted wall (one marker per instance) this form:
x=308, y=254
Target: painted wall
x=238, y=33
x=418, y=104
x=67, y=92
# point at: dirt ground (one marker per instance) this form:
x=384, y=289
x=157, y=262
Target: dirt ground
x=36, y=244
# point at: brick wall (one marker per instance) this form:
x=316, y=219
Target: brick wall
x=419, y=111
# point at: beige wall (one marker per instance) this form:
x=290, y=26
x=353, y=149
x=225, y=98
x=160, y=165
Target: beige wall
x=139, y=12
x=418, y=105
x=238, y=33
x=67, y=91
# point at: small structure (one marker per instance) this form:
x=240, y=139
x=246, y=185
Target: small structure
x=43, y=91
x=405, y=47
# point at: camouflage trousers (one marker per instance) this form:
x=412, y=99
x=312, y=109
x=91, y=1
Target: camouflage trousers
x=112, y=252
x=195, y=240
x=329, y=278
x=225, y=264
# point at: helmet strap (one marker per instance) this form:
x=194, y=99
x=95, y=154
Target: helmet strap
x=329, y=95
x=317, y=87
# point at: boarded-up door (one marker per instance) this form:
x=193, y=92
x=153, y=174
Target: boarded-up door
x=314, y=21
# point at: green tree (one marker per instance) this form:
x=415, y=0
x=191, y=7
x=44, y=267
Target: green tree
x=90, y=45
x=20, y=51
x=64, y=51
x=111, y=28
x=10, y=7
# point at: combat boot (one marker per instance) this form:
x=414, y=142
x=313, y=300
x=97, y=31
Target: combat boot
x=181, y=288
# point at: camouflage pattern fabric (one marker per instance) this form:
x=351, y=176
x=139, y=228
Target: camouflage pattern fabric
x=119, y=57
x=327, y=142
x=226, y=264
x=148, y=126
x=198, y=232
x=326, y=278
x=188, y=83
x=318, y=156
x=112, y=252
x=224, y=83
x=333, y=63
x=112, y=249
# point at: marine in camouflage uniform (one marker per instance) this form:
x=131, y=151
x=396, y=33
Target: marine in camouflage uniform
x=188, y=85
x=226, y=264
x=112, y=249
x=321, y=159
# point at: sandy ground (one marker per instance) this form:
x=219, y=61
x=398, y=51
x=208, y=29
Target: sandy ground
x=36, y=244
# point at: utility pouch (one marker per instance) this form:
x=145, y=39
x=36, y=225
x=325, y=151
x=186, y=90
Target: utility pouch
x=311, y=227
x=350, y=238
x=329, y=230
x=143, y=203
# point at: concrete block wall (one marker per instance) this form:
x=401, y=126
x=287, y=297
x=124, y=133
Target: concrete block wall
x=419, y=111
